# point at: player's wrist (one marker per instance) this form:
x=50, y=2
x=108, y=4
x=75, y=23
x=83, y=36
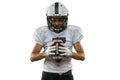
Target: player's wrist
x=72, y=54
x=42, y=54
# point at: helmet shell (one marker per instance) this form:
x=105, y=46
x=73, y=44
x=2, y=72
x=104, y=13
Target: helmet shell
x=57, y=9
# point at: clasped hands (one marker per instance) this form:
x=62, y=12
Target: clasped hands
x=64, y=51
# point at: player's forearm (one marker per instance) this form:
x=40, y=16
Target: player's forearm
x=78, y=56
x=36, y=57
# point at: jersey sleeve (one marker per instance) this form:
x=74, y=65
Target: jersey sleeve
x=38, y=36
x=77, y=36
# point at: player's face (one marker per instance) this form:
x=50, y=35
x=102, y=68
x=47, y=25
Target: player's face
x=57, y=22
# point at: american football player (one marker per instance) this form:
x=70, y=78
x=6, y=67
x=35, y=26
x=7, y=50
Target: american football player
x=57, y=40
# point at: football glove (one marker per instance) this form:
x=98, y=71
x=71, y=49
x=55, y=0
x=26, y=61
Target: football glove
x=50, y=51
x=65, y=51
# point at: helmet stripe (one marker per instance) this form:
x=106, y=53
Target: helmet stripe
x=56, y=8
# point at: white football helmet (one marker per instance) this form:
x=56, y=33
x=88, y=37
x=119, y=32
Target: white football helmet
x=57, y=10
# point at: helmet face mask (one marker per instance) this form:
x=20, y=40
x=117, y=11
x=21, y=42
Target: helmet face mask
x=57, y=24
x=57, y=16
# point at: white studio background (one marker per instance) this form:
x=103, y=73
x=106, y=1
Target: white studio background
x=99, y=20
